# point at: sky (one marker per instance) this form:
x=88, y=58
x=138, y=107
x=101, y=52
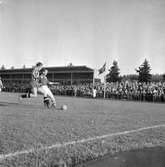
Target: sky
x=83, y=32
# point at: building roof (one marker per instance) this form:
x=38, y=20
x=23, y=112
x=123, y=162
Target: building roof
x=71, y=68
x=54, y=69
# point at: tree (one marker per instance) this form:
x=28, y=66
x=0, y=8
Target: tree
x=12, y=67
x=24, y=66
x=163, y=76
x=3, y=67
x=70, y=65
x=114, y=72
x=144, y=72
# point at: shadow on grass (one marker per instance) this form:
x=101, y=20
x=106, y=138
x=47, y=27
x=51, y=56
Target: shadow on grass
x=147, y=157
x=3, y=104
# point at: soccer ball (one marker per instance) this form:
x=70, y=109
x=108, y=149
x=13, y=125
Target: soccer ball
x=64, y=107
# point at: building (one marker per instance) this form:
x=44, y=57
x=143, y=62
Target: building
x=69, y=75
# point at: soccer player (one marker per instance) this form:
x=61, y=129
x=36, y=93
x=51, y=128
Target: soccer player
x=44, y=82
x=1, y=85
x=34, y=83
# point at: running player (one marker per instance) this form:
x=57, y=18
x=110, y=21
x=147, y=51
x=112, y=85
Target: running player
x=34, y=83
x=44, y=82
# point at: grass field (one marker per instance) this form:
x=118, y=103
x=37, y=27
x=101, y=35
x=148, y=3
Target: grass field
x=26, y=126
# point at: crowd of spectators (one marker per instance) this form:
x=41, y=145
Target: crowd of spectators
x=15, y=86
x=153, y=92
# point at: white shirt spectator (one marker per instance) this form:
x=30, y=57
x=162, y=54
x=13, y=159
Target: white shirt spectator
x=1, y=85
x=94, y=93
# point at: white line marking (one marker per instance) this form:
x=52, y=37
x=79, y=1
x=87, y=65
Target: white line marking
x=59, y=145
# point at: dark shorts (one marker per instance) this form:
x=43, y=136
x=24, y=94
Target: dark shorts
x=34, y=83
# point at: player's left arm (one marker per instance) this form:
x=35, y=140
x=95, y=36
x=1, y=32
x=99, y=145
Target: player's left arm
x=53, y=83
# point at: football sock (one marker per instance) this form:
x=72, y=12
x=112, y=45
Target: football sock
x=46, y=98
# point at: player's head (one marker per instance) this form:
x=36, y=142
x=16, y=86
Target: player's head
x=44, y=71
x=39, y=65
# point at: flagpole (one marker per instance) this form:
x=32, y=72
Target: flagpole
x=93, y=77
x=105, y=83
x=103, y=70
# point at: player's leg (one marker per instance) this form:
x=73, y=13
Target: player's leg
x=49, y=94
x=42, y=91
x=25, y=95
x=46, y=99
x=30, y=93
x=34, y=92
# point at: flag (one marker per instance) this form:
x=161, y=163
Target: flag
x=102, y=69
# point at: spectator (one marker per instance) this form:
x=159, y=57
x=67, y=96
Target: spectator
x=153, y=92
x=1, y=85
